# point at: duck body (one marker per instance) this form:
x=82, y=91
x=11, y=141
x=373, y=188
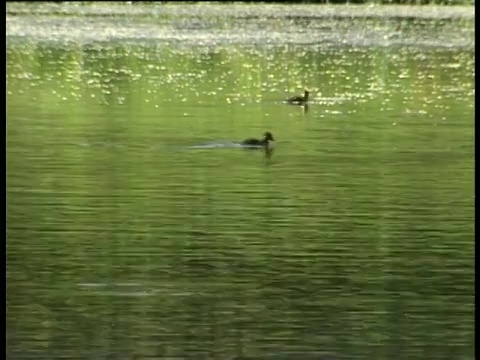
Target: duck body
x=267, y=138
x=299, y=100
x=253, y=142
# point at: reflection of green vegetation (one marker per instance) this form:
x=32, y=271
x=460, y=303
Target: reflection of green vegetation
x=359, y=236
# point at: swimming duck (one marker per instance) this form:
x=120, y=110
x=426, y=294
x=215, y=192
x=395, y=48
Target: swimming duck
x=299, y=100
x=267, y=137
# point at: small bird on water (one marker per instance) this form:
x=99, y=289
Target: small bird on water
x=299, y=100
x=265, y=142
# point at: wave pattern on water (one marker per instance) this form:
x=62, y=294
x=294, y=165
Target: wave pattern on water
x=126, y=240
x=214, y=25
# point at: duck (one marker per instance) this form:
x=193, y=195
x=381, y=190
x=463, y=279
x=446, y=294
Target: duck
x=265, y=142
x=299, y=100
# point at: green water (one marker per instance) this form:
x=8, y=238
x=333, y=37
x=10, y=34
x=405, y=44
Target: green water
x=126, y=239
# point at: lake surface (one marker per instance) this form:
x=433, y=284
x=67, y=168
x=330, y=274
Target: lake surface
x=137, y=230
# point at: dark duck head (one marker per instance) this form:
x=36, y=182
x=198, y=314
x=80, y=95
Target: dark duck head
x=299, y=100
x=267, y=138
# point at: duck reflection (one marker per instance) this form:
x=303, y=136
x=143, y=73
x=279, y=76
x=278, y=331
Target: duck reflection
x=268, y=153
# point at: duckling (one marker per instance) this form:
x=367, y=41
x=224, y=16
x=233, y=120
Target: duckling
x=267, y=137
x=299, y=100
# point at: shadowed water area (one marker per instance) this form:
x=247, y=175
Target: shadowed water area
x=139, y=227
